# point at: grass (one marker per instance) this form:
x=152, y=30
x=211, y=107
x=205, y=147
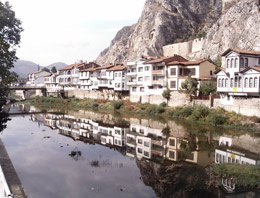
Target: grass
x=199, y=113
x=244, y=175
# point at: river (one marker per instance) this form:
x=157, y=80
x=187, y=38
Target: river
x=89, y=154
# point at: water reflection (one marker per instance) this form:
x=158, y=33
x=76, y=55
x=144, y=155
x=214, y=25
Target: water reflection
x=172, y=157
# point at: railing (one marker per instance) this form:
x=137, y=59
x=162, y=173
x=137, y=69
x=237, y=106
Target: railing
x=4, y=188
x=158, y=72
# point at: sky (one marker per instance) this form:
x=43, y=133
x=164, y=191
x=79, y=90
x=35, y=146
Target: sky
x=68, y=31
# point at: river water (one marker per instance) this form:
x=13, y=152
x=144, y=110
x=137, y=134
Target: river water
x=89, y=154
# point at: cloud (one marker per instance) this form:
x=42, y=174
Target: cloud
x=65, y=30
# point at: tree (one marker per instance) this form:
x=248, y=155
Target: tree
x=190, y=86
x=217, y=62
x=207, y=88
x=53, y=69
x=45, y=69
x=10, y=30
x=167, y=95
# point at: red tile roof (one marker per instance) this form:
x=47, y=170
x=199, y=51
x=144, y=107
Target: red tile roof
x=117, y=68
x=219, y=70
x=167, y=59
x=256, y=68
x=186, y=63
x=68, y=67
x=105, y=66
x=88, y=69
x=241, y=51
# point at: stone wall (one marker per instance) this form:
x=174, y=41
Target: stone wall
x=177, y=99
x=189, y=49
x=247, y=107
x=97, y=94
x=201, y=102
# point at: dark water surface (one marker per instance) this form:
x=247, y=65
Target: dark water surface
x=88, y=154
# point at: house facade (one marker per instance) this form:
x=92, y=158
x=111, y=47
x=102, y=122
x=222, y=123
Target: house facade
x=239, y=75
x=36, y=79
x=201, y=70
x=148, y=76
x=52, y=84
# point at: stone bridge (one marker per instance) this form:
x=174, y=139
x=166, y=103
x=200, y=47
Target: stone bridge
x=24, y=91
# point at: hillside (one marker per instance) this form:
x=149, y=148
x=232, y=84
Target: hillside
x=223, y=23
x=23, y=68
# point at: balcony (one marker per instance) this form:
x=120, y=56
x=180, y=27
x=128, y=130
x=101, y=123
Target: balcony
x=131, y=73
x=132, y=82
x=159, y=82
x=158, y=72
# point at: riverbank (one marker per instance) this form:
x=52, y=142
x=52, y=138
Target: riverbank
x=197, y=113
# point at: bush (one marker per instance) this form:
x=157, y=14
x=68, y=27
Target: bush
x=117, y=104
x=217, y=118
x=95, y=105
x=183, y=112
x=207, y=88
x=154, y=109
x=199, y=113
x=163, y=104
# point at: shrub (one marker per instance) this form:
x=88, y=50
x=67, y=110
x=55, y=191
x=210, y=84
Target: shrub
x=154, y=109
x=117, y=104
x=95, y=105
x=207, y=88
x=166, y=94
x=182, y=111
x=199, y=113
x=217, y=118
x=163, y=104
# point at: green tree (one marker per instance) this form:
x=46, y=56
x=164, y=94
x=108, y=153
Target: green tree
x=207, y=88
x=53, y=69
x=167, y=94
x=10, y=30
x=190, y=86
x=217, y=62
x=45, y=69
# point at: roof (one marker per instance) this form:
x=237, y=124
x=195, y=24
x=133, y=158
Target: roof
x=186, y=63
x=256, y=68
x=117, y=68
x=167, y=59
x=68, y=67
x=105, y=66
x=241, y=51
x=88, y=69
x=219, y=70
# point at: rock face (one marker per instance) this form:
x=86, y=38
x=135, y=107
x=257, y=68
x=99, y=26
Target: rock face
x=237, y=28
x=227, y=24
x=161, y=23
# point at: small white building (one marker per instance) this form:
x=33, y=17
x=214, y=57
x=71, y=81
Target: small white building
x=148, y=76
x=239, y=75
x=52, y=84
x=36, y=79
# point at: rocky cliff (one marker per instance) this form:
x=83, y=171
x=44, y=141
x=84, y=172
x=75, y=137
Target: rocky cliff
x=237, y=28
x=162, y=22
x=226, y=23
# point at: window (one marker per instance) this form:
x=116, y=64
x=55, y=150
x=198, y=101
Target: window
x=172, y=142
x=231, y=82
x=141, y=89
x=258, y=61
x=140, y=141
x=140, y=69
x=219, y=82
x=192, y=71
x=226, y=82
x=172, y=154
x=147, y=68
x=222, y=82
x=140, y=79
x=241, y=62
x=239, y=82
x=133, y=89
x=232, y=62
x=133, y=129
x=173, y=84
x=173, y=71
x=235, y=81
x=255, y=82
x=246, y=82
x=246, y=62
x=142, y=131
x=250, y=82
x=146, y=154
x=210, y=72
x=146, y=144
x=227, y=63
x=147, y=78
x=236, y=63
x=139, y=150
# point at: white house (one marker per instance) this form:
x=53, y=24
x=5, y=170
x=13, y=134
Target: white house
x=36, y=79
x=148, y=76
x=178, y=71
x=52, y=84
x=69, y=76
x=239, y=75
